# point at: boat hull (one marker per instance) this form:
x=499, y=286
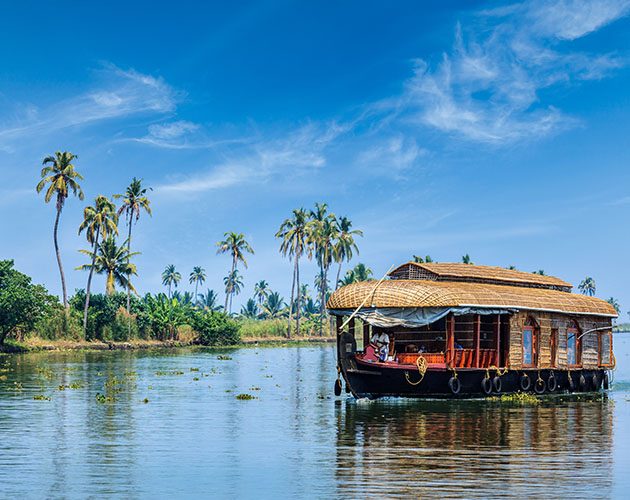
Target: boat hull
x=374, y=380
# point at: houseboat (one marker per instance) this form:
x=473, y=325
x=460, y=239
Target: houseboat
x=454, y=330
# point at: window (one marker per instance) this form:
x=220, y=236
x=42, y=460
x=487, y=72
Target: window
x=554, y=347
x=528, y=346
x=530, y=342
x=573, y=346
x=605, y=348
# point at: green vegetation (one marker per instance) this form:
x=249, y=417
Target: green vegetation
x=245, y=397
x=519, y=398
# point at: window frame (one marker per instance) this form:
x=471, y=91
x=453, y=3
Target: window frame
x=575, y=331
x=532, y=330
x=610, y=348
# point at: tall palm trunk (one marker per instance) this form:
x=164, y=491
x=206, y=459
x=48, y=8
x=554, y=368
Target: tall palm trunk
x=63, y=277
x=338, y=275
x=196, y=286
x=169, y=290
x=299, y=295
x=291, y=302
x=89, y=283
x=228, y=292
x=128, y=274
x=323, y=300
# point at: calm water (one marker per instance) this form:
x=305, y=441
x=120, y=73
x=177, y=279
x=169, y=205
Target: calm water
x=193, y=437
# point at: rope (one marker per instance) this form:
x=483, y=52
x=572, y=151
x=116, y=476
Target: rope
x=421, y=364
x=500, y=371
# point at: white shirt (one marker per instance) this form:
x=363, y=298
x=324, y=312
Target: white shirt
x=380, y=340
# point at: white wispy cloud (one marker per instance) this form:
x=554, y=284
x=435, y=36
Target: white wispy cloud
x=118, y=93
x=486, y=88
x=300, y=150
x=392, y=155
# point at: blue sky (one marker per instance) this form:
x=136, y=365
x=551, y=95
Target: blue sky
x=495, y=129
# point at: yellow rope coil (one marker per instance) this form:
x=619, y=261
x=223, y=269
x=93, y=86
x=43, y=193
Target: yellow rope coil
x=500, y=371
x=422, y=366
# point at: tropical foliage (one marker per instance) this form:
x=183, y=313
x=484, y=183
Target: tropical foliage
x=237, y=246
x=114, y=262
x=587, y=286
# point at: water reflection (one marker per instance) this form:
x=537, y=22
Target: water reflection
x=474, y=448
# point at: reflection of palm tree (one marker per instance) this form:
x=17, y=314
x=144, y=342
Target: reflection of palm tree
x=233, y=285
x=345, y=245
x=294, y=235
x=261, y=291
x=170, y=277
x=113, y=261
x=59, y=172
x=98, y=220
x=198, y=276
x=236, y=245
x=134, y=200
x=587, y=286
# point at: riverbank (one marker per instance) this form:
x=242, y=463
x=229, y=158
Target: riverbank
x=38, y=344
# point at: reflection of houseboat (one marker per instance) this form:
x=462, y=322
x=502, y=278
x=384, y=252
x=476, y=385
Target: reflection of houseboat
x=456, y=329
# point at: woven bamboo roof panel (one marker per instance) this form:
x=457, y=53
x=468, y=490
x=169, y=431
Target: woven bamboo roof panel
x=423, y=293
x=443, y=271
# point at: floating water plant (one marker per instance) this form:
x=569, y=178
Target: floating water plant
x=522, y=398
x=195, y=378
x=102, y=398
x=145, y=400
x=224, y=357
x=254, y=388
x=194, y=369
x=245, y=397
x=41, y=397
x=162, y=373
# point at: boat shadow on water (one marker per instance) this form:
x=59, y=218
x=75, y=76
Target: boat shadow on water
x=560, y=447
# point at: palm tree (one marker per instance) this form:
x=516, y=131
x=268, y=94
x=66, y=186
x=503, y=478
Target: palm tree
x=294, y=234
x=236, y=245
x=345, y=244
x=613, y=302
x=210, y=300
x=98, y=220
x=170, y=277
x=59, y=172
x=540, y=271
x=427, y=259
x=233, y=285
x=261, y=291
x=360, y=273
x=274, y=306
x=134, y=201
x=467, y=260
x=114, y=261
x=322, y=234
x=587, y=286
x=250, y=309
x=198, y=277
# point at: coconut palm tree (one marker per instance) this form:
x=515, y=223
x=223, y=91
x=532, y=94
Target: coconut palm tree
x=210, y=300
x=467, y=260
x=345, y=246
x=294, y=235
x=261, y=291
x=587, y=286
x=236, y=245
x=114, y=261
x=360, y=272
x=420, y=260
x=321, y=235
x=170, y=277
x=613, y=302
x=233, y=285
x=98, y=220
x=61, y=177
x=250, y=309
x=274, y=306
x=540, y=271
x=134, y=201
x=198, y=277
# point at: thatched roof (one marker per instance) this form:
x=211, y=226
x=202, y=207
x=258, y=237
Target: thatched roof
x=443, y=271
x=425, y=293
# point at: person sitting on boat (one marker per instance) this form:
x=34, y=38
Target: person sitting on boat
x=381, y=341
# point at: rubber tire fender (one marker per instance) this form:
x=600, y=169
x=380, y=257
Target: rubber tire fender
x=540, y=386
x=496, y=383
x=454, y=385
x=337, y=387
x=486, y=386
x=552, y=383
x=525, y=382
